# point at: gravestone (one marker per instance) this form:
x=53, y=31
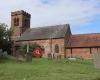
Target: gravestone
x=20, y=56
x=5, y=54
x=57, y=57
x=1, y=53
x=72, y=59
x=29, y=57
x=96, y=59
x=49, y=56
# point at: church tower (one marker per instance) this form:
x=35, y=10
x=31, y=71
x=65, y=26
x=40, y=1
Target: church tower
x=20, y=22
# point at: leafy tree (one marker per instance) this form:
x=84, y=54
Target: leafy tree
x=5, y=38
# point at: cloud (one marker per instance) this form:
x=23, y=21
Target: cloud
x=51, y=12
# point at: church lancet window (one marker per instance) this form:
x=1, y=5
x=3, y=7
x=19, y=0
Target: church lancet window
x=56, y=48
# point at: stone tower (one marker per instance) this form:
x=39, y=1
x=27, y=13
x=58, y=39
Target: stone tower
x=20, y=22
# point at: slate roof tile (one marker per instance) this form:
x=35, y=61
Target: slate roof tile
x=57, y=31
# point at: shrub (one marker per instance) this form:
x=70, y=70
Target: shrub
x=31, y=47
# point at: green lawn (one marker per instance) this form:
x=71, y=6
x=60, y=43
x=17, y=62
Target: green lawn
x=43, y=69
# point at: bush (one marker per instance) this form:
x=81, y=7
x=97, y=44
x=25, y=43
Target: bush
x=31, y=47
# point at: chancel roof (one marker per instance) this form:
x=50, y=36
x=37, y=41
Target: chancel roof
x=84, y=40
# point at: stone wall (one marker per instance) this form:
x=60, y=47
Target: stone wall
x=85, y=53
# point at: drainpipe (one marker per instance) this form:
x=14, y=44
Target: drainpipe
x=71, y=53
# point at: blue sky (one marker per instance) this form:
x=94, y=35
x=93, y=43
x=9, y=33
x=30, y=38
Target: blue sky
x=82, y=15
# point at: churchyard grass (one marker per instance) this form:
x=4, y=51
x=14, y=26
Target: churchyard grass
x=44, y=69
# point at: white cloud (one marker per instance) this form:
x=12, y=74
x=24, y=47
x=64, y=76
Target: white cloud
x=50, y=12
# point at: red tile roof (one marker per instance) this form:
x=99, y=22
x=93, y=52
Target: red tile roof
x=84, y=40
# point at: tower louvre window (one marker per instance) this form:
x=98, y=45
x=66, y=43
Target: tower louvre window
x=16, y=21
x=26, y=22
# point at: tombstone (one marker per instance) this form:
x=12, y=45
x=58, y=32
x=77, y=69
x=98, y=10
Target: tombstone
x=53, y=56
x=49, y=56
x=1, y=52
x=96, y=59
x=5, y=54
x=72, y=59
x=20, y=56
x=29, y=57
x=57, y=57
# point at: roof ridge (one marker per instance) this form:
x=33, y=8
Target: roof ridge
x=49, y=26
x=84, y=34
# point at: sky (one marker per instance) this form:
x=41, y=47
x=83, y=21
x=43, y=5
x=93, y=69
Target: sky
x=82, y=15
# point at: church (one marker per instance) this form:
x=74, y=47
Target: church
x=54, y=39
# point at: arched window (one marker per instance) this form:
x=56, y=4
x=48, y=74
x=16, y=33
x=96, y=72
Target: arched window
x=56, y=48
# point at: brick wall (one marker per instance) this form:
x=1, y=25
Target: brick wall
x=85, y=53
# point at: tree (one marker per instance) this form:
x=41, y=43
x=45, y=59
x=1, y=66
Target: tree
x=5, y=38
